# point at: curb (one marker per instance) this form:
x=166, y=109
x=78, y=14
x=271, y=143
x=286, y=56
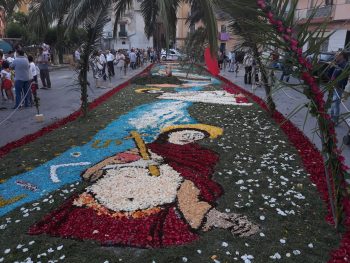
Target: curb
x=73, y=116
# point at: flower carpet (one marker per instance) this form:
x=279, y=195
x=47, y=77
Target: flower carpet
x=192, y=171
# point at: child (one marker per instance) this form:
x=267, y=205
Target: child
x=7, y=83
x=34, y=74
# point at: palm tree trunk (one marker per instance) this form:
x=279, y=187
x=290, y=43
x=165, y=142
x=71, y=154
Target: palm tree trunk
x=268, y=91
x=83, y=81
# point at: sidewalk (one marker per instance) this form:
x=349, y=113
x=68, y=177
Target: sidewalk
x=57, y=103
x=288, y=100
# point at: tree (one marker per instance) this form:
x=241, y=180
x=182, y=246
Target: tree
x=276, y=21
x=61, y=41
x=10, y=6
x=14, y=30
x=17, y=27
x=45, y=12
x=93, y=29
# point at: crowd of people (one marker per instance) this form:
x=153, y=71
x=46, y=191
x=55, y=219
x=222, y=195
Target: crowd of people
x=20, y=71
x=109, y=63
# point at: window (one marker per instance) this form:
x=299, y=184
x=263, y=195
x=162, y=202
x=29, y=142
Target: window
x=192, y=28
x=223, y=28
x=222, y=47
x=122, y=28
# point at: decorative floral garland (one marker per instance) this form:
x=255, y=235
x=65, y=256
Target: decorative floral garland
x=72, y=117
x=336, y=166
x=312, y=161
x=335, y=163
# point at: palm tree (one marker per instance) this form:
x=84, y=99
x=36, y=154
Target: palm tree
x=246, y=22
x=272, y=24
x=9, y=6
x=93, y=28
x=45, y=12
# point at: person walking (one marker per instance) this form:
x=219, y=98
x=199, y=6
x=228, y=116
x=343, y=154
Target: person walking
x=22, y=79
x=110, y=63
x=232, y=58
x=33, y=73
x=120, y=59
x=287, y=68
x=248, y=66
x=341, y=62
x=103, y=63
x=43, y=63
x=220, y=59
x=133, y=58
x=77, y=55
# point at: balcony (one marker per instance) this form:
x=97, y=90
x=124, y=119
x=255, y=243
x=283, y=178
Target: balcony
x=319, y=15
x=223, y=36
x=321, y=12
x=123, y=34
x=342, y=11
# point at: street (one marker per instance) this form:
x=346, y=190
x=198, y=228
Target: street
x=55, y=104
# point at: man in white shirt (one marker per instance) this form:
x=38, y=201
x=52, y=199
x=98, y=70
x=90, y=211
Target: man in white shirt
x=248, y=67
x=43, y=62
x=110, y=63
x=232, y=58
x=103, y=62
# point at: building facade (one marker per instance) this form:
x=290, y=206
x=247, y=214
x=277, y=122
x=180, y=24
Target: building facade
x=336, y=12
x=226, y=40
x=2, y=22
x=130, y=31
x=24, y=6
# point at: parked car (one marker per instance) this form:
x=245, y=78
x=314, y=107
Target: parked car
x=172, y=54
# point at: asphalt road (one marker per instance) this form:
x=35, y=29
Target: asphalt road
x=56, y=103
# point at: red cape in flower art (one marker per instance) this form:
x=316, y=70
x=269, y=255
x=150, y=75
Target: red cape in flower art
x=149, y=212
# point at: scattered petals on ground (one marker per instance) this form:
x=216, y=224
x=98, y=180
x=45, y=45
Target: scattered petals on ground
x=151, y=174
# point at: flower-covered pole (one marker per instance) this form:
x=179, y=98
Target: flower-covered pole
x=335, y=168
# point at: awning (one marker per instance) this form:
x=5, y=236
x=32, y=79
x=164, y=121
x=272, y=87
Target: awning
x=5, y=46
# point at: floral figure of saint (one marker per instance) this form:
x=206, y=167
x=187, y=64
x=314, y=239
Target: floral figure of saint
x=156, y=195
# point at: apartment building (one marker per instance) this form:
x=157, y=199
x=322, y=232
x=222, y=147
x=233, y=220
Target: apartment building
x=335, y=12
x=226, y=40
x=130, y=31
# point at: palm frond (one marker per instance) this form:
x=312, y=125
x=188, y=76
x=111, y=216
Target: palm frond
x=120, y=7
x=149, y=11
x=207, y=9
x=93, y=26
x=45, y=12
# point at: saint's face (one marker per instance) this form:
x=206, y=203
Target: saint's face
x=185, y=137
